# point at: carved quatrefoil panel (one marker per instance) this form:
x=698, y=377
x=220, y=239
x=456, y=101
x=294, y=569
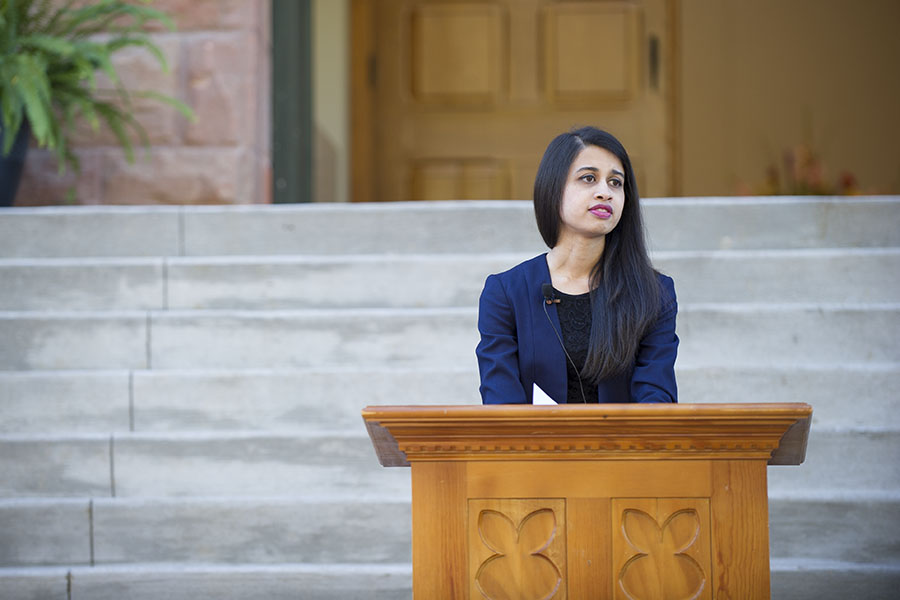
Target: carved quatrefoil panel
x=517, y=549
x=661, y=549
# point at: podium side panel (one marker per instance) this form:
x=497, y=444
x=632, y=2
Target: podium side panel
x=439, y=531
x=740, y=514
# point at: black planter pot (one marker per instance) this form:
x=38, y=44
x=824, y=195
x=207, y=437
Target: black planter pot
x=11, y=165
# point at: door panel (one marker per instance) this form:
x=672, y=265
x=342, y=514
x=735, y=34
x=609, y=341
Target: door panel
x=457, y=54
x=458, y=99
x=591, y=53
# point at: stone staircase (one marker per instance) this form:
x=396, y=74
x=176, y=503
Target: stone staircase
x=180, y=387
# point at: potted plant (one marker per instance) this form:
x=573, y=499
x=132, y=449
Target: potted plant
x=51, y=53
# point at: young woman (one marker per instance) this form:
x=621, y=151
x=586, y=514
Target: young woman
x=590, y=320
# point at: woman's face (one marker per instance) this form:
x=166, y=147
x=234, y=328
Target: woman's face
x=594, y=194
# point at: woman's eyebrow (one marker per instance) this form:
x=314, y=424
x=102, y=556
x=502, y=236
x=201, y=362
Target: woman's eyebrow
x=596, y=170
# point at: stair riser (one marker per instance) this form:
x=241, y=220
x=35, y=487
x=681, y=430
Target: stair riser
x=254, y=466
x=85, y=402
x=769, y=223
x=312, y=400
x=265, y=531
x=709, y=336
x=785, y=279
x=188, y=340
x=66, y=232
x=192, y=532
x=469, y=227
x=55, y=467
x=839, y=584
x=787, y=336
x=303, y=401
x=103, y=342
x=354, y=338
x=151, y=584
x=38, y=533
x=256, y=533
x=360, y=284
x=391, y=228
x=71, y=402
x=425, y=282
x=82, y=287
x=849, y=461
x=291, y=465
x=856, y=532
x=841, y=399
x=251, y=466
x=35, y=586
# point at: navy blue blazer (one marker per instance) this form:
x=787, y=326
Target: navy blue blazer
x=518, y=347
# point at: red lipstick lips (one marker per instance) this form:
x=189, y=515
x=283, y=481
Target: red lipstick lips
x=601, y=211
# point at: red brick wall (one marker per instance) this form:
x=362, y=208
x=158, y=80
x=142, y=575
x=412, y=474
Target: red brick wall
x=219, y=65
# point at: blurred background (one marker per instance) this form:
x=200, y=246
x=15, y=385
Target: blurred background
x=382, y=100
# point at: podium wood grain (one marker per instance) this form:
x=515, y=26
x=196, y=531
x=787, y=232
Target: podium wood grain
x=626, y=502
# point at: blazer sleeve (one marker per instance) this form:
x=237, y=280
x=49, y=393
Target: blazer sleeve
x=653, y=379
x=498, y=350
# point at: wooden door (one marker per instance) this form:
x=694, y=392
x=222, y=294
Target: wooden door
x=457, y=99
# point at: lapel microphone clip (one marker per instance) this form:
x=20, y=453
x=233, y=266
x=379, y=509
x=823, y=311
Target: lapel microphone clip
x=547, y=291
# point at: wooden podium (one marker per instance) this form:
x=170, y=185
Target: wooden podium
x=585, y=502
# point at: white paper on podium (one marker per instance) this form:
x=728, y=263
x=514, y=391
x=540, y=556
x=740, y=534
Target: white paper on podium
x=539, y=396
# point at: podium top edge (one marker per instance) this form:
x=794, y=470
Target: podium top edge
x=776, y=431
x=795, y=410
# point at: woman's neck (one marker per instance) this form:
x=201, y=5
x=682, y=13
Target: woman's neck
x=571, y=263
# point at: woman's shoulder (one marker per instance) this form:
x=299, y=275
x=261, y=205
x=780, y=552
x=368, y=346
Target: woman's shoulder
x=519, y=279
x=524, y=270
x=666, y=282
x=667, y=286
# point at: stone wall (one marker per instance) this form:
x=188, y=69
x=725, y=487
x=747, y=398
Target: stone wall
x=219, y=65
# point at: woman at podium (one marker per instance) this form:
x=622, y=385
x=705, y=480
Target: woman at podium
x=590, y=320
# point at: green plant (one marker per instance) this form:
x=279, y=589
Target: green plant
x=51, y=52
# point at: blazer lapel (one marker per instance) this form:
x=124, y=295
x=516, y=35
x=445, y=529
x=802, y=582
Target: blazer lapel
x=549, y=357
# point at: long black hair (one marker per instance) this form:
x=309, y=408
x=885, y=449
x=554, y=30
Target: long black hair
x=625, y=289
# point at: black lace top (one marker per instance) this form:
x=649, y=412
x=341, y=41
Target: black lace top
x=575, y=321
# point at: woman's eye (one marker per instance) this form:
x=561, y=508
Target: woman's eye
x=588, y=178
x=615, y=183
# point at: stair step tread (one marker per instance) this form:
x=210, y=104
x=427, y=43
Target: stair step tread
x=438, y=226
x=265, y=530
x=284, y=399
x=769, y=334
x=291, y=282
x=254, y=463
x=226, y=582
